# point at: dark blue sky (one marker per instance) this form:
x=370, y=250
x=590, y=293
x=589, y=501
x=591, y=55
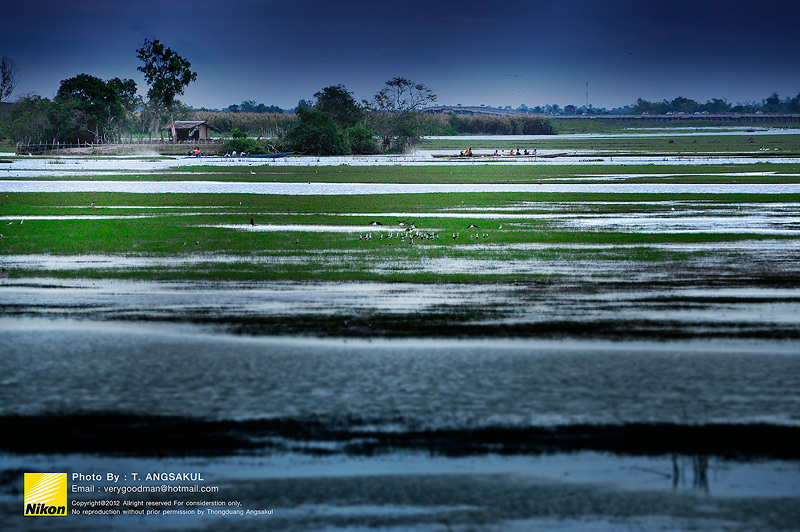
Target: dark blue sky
x=469, y=52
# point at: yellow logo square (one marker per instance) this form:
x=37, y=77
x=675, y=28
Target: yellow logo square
x=45, y=494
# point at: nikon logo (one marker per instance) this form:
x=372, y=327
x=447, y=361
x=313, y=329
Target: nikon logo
x=45, y=494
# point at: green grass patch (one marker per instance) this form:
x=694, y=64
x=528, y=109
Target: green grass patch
x=180, y=227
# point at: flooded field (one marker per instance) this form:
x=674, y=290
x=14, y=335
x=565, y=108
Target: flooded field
x=414, y=343
x=337, y=189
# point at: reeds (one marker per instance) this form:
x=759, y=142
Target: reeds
x=255, y=124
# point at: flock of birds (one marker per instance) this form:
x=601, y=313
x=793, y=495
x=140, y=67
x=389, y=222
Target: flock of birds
x=411, y=232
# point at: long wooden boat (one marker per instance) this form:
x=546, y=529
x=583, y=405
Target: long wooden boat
x=259, y=156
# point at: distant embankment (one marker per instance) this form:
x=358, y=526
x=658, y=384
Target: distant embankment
x=708, y=117
x=722, y=117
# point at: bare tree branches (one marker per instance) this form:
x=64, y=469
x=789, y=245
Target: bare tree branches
x=394, y=111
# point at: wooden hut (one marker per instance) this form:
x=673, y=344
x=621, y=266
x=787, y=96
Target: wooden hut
x=190, y=130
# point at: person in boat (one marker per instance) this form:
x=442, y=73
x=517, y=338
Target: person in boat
x=197, y=152
x=469, y=152
x=526, y=152
x=495, y=153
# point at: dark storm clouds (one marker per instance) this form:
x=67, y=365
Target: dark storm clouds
x=470, y=52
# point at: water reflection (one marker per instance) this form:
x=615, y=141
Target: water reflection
x=699, y=468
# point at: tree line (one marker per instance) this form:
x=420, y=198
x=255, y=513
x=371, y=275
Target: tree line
x=772, y=104
x=250, y=106
x=87, y=109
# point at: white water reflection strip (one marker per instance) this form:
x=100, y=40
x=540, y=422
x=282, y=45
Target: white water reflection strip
x=327, y=189
x=274, y=228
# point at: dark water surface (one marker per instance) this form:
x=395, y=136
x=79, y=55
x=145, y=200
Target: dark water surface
x=181, y=370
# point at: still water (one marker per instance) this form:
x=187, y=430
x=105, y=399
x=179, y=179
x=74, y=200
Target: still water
x=175, y=370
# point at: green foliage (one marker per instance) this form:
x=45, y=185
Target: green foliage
x=681, y=105
x=250, y=106
x=236, y=134
x=773, y=104
x=360, y=140
x=167, y=73
x=244, y=145
x=94, y=109
x=332, y=126
x=31, y=120
x=339, y=103
x=304, y=104
x=316, y=134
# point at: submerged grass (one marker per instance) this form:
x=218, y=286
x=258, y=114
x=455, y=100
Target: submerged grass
x=181, y=226
x=21, y=204
x=180, y=235
x=460, y=172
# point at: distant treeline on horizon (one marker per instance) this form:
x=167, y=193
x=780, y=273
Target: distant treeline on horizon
x=771, y=104
x=34, y=120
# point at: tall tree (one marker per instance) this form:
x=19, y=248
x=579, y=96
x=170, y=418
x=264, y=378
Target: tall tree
x=339, y=103
x=248, y=106
x=9, y=75
x=773, y=104
x=167, y=73
x=395, y=111
x=95, y=109
x=316, y=133
x=304, y=104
